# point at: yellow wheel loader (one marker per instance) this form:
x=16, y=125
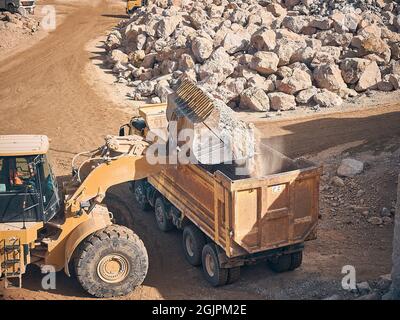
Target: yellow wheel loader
x=132, y=5
x=38, y=227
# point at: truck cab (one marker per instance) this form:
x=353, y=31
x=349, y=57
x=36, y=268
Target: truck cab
x=14, y=5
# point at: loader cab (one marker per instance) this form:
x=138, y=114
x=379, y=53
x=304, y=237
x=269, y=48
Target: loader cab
x=28, y=189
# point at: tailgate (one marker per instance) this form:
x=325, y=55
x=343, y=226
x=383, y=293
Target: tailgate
x=277, y=211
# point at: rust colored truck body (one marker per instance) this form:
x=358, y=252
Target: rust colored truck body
x=246, y=216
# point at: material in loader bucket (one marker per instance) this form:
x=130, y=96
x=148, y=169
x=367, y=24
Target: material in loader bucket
x=216, y=135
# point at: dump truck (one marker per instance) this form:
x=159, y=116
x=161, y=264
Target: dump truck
x=228, y=220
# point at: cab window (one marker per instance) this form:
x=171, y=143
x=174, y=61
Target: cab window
x=47, y=183
x=19, y=194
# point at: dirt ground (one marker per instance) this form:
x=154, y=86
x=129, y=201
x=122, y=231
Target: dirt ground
x=46, y=89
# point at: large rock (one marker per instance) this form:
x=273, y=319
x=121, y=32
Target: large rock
x=328, y=76
x=306, y=96
x=162, y=90
x=369, y=78
x=353, y=68
x=287, y=48
x=264, y=40
x=327, y=99
x=167, y=26
x=321, y=23
x=276, y=9
x=297, y=81
x=264, y=62
x=344, y=22
x=146, y=88
x=230, y=89
x=117, y=56
x=281, y=101
x=295, y=23
x=385, y=84
x=255, y=99
x=202, y=48
x=217, y=66
x=236, y=41
x=350, y=167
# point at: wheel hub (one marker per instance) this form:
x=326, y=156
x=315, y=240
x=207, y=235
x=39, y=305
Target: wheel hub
x=210, y=265
x=189, y=246
x=113, y=268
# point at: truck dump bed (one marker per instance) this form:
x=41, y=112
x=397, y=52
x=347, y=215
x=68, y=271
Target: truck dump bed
x=246, y=215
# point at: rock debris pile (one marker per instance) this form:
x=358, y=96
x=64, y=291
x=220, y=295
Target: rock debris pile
x=260, y=55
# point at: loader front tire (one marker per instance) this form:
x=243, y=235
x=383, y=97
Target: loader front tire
x=111, y=262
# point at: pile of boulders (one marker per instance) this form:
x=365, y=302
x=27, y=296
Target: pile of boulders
x=17, y=22
x=260, y=55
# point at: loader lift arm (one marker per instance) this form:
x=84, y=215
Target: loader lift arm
x=121, y=159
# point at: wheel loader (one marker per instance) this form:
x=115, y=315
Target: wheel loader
x=67, y=226
x=132, y=5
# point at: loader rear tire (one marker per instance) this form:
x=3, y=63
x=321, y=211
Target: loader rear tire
x=215, y=275
x=193, y=241
x=139, y=189
x=111, y=262
x=164, y=222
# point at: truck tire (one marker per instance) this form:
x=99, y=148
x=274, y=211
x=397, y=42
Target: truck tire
x=233, y=275
x=296, y=260
x=280, y=263
x=120, y=211
x=11, y=8
x=193, y=241
x=215, y=275
x=111, y=262
x=164, y=222
x=286, y=262
x=139, y=189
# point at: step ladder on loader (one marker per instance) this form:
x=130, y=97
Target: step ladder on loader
x=11, y=260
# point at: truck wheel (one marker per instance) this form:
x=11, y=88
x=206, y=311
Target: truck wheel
x=281, y=263
x=120, y=211
x=215, y=275
x=111, y=262
x=193, y=243
x=233, y=275
x=139, y=190
x=164, y=222
x=296, y=260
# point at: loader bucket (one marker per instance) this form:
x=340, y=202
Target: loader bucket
x=216, y=136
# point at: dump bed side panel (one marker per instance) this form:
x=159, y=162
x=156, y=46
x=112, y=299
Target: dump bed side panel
x=197, y=195
x=279, y=211
x=249, y=215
